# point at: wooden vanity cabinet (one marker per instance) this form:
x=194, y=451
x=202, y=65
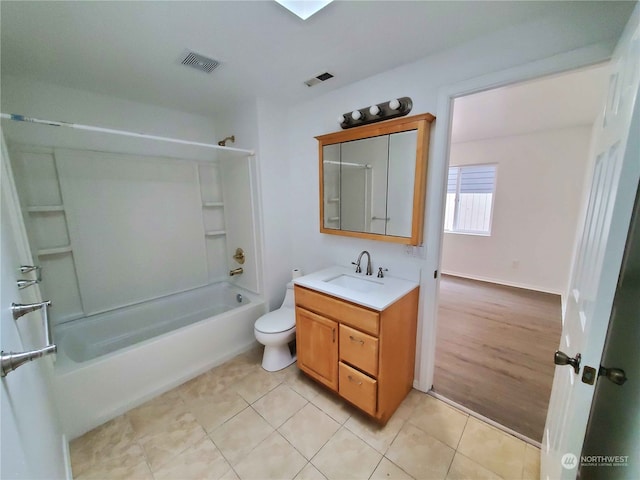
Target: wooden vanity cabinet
x=317, y=347
x=365, y=356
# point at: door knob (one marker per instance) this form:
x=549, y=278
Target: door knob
x=616, y=375
x=561, y=358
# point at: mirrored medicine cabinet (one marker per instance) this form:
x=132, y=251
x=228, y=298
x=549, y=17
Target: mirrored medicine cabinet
x=373, y=180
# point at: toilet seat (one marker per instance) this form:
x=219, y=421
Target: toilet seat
x=277, y=321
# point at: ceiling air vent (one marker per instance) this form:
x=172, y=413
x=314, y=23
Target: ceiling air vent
x=199, y=62
x=318, y=79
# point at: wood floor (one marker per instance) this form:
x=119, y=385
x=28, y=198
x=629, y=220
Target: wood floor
x=494, y=351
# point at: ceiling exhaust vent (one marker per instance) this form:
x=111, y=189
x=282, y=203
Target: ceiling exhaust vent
x=318, y=79
x=199, y=62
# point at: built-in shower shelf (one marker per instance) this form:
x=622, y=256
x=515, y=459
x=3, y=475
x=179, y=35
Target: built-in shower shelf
x=54, y=251
x=334, y=200
x=45, y=208
x=215, y=233
x=212, y=204
x=334, y=219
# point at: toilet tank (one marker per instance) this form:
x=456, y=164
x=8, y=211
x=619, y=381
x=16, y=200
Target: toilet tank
x=289, y=301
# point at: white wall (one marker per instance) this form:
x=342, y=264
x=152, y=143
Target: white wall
x=539, y=190
x=423, y=81
x=54, y=102
x=262, y=125
x=277, y=200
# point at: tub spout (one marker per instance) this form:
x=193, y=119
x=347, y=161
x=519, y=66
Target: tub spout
x=236, y=271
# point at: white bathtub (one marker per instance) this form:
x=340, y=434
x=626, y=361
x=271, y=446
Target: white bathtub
x=112, y=362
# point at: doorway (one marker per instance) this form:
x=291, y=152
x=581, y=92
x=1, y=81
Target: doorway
x=518, y=169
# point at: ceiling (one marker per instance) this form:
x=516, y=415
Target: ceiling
x=131, y=49
x=558, y=101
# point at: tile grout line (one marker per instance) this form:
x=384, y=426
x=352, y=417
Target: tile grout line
x=466, y=422
x=376, y=467
x=450, y=463
x=137, y=440
x=482, y=418
x=250, y=405
x=384, y=455
x=323, y=445
x=139, y=444
x=256, y=446
x=303, y=467
x=287, y=419
x=365, y=440
x=275, y=430
x=223, y=456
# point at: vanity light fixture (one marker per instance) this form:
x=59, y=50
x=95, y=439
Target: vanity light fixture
x=397, y=107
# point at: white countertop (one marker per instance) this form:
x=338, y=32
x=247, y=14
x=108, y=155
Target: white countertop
x=366, y=290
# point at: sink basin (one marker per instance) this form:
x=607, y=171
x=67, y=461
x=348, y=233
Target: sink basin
x=354, y=283
x=365, y=290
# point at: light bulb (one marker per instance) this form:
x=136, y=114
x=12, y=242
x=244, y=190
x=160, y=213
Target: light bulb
x=341, y=119
x=374, y=110
x=356, y=115
x=394, y=104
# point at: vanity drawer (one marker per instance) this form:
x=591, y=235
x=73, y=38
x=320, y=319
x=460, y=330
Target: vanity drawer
x=359, y=349
x=345, y=312
x=358, y=388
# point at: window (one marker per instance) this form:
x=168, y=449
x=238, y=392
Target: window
x=469, y=205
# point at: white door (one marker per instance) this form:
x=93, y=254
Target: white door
x=32, y=445
x=597, y=264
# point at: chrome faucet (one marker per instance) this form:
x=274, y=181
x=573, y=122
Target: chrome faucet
x=236, y=271
x=357, y=263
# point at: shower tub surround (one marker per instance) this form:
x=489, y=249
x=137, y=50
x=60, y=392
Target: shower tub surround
x=136, y=243
x=104, y=368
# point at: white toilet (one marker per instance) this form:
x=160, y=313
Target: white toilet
x=275, y=330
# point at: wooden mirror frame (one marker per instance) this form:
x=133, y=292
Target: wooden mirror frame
x=421, y=123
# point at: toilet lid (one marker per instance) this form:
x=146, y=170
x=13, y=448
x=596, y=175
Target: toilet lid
x=277, y=321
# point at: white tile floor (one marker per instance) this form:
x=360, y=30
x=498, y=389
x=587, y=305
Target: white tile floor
x=238, y=421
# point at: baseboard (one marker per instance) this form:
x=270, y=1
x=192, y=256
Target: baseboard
x=535, y=288
x=493, y=423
